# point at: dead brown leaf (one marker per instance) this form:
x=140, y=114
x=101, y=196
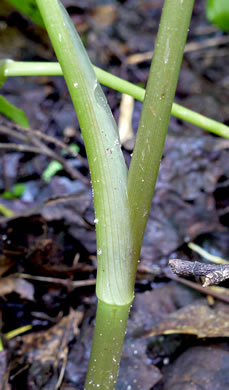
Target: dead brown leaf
x=46, y=345
x=20, y=286
x=104, y=15
x=44, y=354
x=196, y=319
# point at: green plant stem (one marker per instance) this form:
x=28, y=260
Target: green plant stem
x=115, y=277
x=1, y=345
x=115, y=274
x=17, y=68
x=107, y=345
x=156, y=113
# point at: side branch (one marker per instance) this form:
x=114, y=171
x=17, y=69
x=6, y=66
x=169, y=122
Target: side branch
x=213, y=274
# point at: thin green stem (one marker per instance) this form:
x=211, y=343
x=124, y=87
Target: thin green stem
x=107, y=345
x=17, y=68
x=156, y=112
x=1, y=345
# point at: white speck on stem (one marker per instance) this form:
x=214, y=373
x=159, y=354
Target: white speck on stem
x=99, y=252
x=60, y=37
x=75, y=85
x=167, y=52
x=116, y=142
x=143, y=155
x=96, y=84
x=96, y=220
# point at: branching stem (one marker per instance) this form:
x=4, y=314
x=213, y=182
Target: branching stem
x=17, y=68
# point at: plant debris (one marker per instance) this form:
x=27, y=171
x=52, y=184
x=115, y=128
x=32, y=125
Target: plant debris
x=197, y=319
x=213, y=274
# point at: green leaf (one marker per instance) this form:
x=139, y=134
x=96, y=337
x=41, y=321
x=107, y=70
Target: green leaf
x=51, y=170
x=16, y=192
x=13, y=113
x=29, y=9
x=75, y=148
x=218, y=13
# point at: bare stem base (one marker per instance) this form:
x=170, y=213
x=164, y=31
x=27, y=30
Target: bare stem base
x=107, y=345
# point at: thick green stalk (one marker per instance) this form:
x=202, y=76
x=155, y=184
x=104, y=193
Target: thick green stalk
x=156, y=112
x=107, y=346
x=17, y=68
x=115, y=277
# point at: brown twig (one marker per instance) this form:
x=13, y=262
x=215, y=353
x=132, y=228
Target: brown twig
x=190, y=47
x=60, y=144
x=213, y=273
x=203, y=290
x=35, y=145
x=14, y=130
x=47, y=152
x=167, y=272
x=63, y=282
x=13, y=133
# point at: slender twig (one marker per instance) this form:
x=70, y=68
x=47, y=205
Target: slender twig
x=213, y=274
x=47, y=152
x=203, y=290
x=6, y=129
x=167, y=272
x=12, y=133
x=56, y=142
x=20, y=148
x=63, y=282
x=64, y=359
x=189, y=47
